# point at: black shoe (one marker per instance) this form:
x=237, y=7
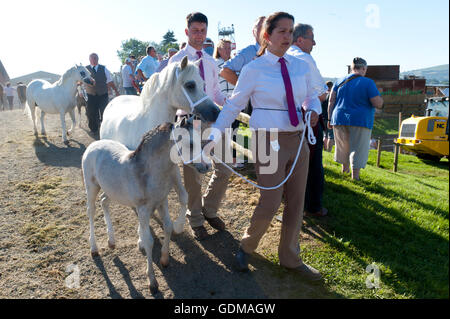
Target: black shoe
x=215, y=223
x=199, y=232
x=242, y=260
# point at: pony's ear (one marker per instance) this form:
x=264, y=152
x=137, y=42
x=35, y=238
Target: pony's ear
x=184, y=62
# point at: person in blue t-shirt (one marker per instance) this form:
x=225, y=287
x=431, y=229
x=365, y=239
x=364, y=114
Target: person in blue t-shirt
x=351, y=112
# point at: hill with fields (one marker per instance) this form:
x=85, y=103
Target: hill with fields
x=435, y=74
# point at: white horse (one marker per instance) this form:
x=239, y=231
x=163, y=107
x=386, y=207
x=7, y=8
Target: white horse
x=141, y=179
x=179, y=86
x=56, y=98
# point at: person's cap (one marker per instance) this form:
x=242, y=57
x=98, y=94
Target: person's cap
x=208, y=41
x=172, y=50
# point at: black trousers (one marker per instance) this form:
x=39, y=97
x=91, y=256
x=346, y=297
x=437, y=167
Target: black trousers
x=96, y=104
x=315, y=184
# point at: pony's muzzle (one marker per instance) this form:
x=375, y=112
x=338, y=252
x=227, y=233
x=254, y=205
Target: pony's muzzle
x=207, y=111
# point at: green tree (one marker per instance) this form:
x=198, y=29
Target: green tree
x=168, y=42
x=169, y=37
x=132, y=47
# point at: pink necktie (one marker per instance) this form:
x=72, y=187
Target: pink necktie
x=202, y=71
x=289, y=95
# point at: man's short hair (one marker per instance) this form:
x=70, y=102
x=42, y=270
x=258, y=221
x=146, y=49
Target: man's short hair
x=358, y=63
x=300, y=30
x=196, y=17
x=329, y=84
x=149, y=49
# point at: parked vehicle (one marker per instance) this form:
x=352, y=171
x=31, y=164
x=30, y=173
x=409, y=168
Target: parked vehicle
x=427, y=136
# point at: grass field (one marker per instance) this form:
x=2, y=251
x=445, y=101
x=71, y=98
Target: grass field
x=396, y=221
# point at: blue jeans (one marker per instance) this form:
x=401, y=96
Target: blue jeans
x=315, y=184
x=130, y=91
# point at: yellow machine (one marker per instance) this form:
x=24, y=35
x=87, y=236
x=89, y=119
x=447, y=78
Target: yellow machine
x=427, y=136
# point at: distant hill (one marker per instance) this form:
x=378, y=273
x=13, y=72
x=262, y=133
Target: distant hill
x=435, y=74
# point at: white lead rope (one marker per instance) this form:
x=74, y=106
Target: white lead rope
x=311, y=140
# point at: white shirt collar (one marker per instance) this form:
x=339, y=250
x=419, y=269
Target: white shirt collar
x=192, y=51
x=273, y=59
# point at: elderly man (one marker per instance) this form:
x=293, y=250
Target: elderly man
x=163, y=64
x=301, y=48
x=203, y=207
x=148, y=65
x=128, y=77
x=97, y=93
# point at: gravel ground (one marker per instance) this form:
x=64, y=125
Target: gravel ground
x=44, y=233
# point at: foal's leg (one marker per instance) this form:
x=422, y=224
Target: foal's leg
x=167, y=224
x=183, y=198
x=92, y=192
x=62, y=116
x=147, y=241
x=105, y=201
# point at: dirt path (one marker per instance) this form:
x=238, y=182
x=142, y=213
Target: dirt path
x=44, y=232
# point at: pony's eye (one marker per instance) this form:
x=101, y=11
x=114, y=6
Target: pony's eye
x=190, y=85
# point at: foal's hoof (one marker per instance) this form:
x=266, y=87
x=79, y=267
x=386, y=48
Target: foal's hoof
x=94, y=254
x=66, y=142
x=154, y=289
x=111, y=245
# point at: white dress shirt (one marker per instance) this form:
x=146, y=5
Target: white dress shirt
x=211, y=71
x=107, y=73
x=318, y=83
x=262, y=83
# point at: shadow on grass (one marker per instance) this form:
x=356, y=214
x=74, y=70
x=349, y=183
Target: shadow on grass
x=417, y=258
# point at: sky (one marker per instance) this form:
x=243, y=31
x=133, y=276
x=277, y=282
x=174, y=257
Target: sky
x=54, y=35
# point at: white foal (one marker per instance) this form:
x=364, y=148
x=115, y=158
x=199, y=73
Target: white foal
x=141, y=179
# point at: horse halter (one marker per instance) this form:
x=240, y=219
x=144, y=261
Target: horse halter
x=192, y=104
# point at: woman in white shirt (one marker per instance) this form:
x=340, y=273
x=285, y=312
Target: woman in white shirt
x=269, y=90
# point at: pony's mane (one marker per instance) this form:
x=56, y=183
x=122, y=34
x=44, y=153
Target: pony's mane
x=159, y=81
x=154, y=139
x=65, y=76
